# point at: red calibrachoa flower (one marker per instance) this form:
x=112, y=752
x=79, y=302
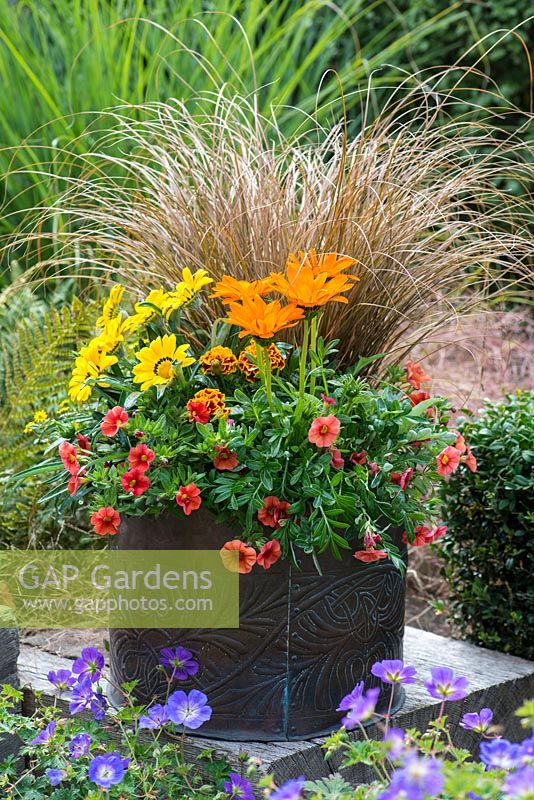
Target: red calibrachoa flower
x=416, y=375
x=198, y=411
x=448, y=461
x=424, y=535
x=358, y=458
x=69, y=457
x=224, y=458
x=402, y=479
x=188, y=497
x=460, y=443
x=106, y=521
x=328, y=401
x=368, y=556
x=273, y=511
x=337, y=459
x=75, y=482
x=84, y=442
x=135, y=481
x=418, y=396
x=470, y=461
x=247, y=556
x=324, y=431
x=269, y=554
x=374, y=468
x=140, y=457
x=115, y=419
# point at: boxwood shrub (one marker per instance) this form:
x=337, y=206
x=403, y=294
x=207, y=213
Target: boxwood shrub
x=489, y=549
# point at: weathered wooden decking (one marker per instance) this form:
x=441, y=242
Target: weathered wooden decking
x=498, y=681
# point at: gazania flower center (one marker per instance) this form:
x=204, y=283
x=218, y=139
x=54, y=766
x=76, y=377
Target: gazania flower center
x=163, y=367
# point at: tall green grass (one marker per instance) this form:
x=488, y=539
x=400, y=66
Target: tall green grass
x=63, y=61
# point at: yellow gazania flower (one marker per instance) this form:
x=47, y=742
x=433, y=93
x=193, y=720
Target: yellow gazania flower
x=187, y=290
x=307, y=288
x=146, y=310
x=247, y=366
x=156, y=361
x=111, y=306
x=218, y=361
x=88, y=368
x=112, y=335
x=231, y=290
x=261, y=319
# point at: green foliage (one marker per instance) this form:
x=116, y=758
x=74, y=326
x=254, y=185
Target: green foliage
x=489, y=552
x=34, y=360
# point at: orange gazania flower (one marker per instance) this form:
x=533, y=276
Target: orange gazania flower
x=188, y=497
x=218, y=361
x=224, y=458
x=269, y=554
x=212, y=399
x=308, y=287
x=257, y=318
x=115, y=419
x=247, y=556
x=330, y=263
x=324, y=431
x=448, y=461
x=415, y=374
x=230, y=290
x=247, y=366
x=106, y=521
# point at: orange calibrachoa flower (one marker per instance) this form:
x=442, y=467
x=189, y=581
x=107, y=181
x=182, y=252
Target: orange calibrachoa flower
x=224, y=458
x=106, y=521
x=424, y=535
x=418, y=396
x=218, y=361
x=470, y=461
x=69, y=456
x=213, y=399
x=84, y=443
x=249, y=369
x=460, y=443
x=273, y=511
x=261, y=319
x=198, y=412
x=115, y=419
x=75, y=481
x=324, y=431
x=308, y=286
x=269, y=554
x=188, y=497
x=140, y=457
x=247, y=556
x=337, y=459
x=448, y=461
x=370, y=553
x=230, y=290
x=135, y=481
x=415, y=374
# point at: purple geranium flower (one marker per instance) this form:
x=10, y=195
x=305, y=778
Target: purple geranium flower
x=349, y=699
x=82, y=695
x=91, y=663
x=157, y=716
x=79, y=745
x=55, y=776
x=45, y=735
x=63, y=680
x=291, y=790
x=519, y=784
x=107, y=770
x=479, y=723
x=98, y=706
x=418, y=778
x=499, y=753
x=526, y=750
x=362, y=709
x=238, y=788
x=190, y=710
x=444, y=685
x=394, y=672
x=395, y=741
x=179, y=661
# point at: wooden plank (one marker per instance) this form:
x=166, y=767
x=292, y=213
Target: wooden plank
x=9, y=653
x=498, y=681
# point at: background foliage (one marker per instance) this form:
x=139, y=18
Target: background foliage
x=489, y=552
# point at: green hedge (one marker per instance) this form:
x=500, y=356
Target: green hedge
x=489, y=551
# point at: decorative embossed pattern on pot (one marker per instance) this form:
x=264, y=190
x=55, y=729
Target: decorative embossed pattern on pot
x=304, y=640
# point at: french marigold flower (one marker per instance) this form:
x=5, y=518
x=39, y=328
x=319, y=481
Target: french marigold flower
x=140, y=457
x=188, y=497
x=106, y=521
x=337, y=461
x=218, y=361
x=328, y=401
x=448, y=461
x=470, y=461
x=269, y=554
x=273, y=511
x=247, y=556
x=198, y=412
x=324, y=431
x=358, y=458
x=135, y=481
x=402, y=479
x=75, y=482
x=69, y=457
x=115, y=419
x=249, y=368
x=224, y=458
x=415, y=374
x=84, y=443
x=260, y=319
x=368, y=556
x=418, y=396
x=213, y=399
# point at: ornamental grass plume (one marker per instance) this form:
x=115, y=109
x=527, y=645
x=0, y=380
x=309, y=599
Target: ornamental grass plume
x=416, y=200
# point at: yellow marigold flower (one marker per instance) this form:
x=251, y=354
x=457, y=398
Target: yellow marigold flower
x=218, y=361
x=146, y=310
x=111, y=306
x=231, y=290
x=156, y=362
x=261, y=319
x=304, y=286
x=40, y=416
x=187, y=290
x=213, y=399
x=247, y=366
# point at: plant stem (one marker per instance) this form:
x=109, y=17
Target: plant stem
x=303, y=359
x=313, y=347
x=268, y=375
